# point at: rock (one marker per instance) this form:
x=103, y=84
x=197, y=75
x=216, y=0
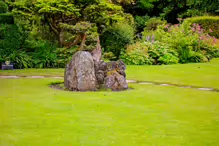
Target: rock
x=87, y=73
x=97, y=52
x=80, y=73
x=115, y=81
x=100, y=71
x=115, y=77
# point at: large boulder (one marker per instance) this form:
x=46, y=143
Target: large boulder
x=80, y=73
x=88, y=73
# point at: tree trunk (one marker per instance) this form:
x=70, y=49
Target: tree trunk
x=97, y=52
x=84, y=36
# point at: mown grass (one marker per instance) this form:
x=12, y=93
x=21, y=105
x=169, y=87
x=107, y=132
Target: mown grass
x=32, y=114
x=200, y=74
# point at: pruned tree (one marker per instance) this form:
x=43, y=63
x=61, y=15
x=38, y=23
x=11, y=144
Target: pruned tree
x=83, y=19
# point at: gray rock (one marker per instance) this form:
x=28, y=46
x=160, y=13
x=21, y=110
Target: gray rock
x=115, y=81
x=87, y=73
x=115, y=77
x=80, y=73
x=100, y=71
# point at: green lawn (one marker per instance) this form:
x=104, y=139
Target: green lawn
x=32, y=114
x=200, y=74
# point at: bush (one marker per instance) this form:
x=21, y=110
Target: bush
x=140, y=22
x=208, y=23
x=10, y=38
x=137, y=54
x=115, y=38
x=6, y=18
x=149, y=53
x=64, y=55
x=191, y=13
x=152, y=24
x=20, y=59
x=3, y=7
x=168, y=58
x=179, y=37
x=109, y=56
x=197, y=57
x=185, y=40
x=161, y=53
x=43, y=55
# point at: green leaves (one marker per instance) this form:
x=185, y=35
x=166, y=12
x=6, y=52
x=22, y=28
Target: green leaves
x=56, y=8
x=103, y=13
x=3, y=7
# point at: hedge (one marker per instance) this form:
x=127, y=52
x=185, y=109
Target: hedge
x=6, y=18
x=3, y=7
x=208, y=23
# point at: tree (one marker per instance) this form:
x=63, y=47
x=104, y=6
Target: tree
x=78, y=17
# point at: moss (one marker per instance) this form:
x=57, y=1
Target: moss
x=111, y=72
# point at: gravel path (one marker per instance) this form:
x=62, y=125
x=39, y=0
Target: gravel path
x=129, y=81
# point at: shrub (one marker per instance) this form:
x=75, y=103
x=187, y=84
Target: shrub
x=185, y=40
x=3, y=7
x=10, y=38
x=210, y=52
x=137, y=54
x=208, y=23
x=197, y=57
x=20, y=59
x=153, y=23
x=181, y=38
x=6, y=18
x=109, y=56
x=140, y=21
x=168, y=58
x=191, y=13
x=64, y=55
x=149, y=53
x=136, y=57
x=115, y=38
x=161, y=53
x=43, y=55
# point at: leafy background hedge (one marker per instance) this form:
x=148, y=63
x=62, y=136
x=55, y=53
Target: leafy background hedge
x=148, y=35
x=209, y=23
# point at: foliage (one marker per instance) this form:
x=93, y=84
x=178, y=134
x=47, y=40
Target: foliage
x=20, y=59
x=61, y=15
x=44, y=56
x=137, y=54
x=6, y=18
x=140, y=22
x=149, y=53
x=153, y=23
x=162, y=53
x=191, y=13
x=115, y=38
x=3, y=7
x=10, y=38
x=145, y=4
x=64, y=55
x=185, y=40
x=197, y=57
x=208, y=23
x=109, y=56
x=180, y=38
